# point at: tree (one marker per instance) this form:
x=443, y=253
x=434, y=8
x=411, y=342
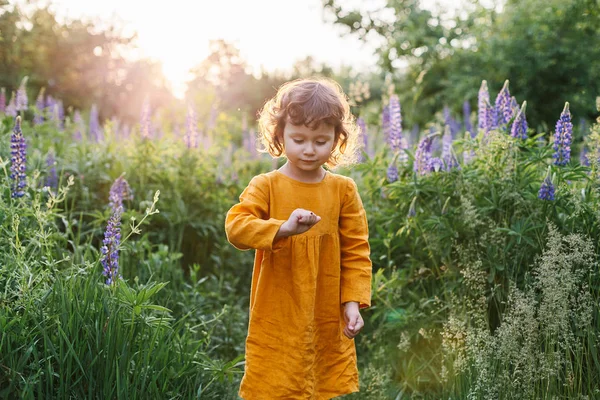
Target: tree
x=546, y=48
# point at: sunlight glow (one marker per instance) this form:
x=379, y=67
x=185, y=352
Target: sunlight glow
x=271, y=34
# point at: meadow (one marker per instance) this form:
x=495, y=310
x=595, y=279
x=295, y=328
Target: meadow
x=117, y=281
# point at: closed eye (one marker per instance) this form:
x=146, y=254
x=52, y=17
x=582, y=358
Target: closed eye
x=298, y=141
x=321, y=143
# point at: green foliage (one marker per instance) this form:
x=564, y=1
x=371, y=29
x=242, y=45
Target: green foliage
x=545, y=48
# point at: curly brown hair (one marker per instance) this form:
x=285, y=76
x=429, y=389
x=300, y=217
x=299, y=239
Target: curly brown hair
x=310, y=102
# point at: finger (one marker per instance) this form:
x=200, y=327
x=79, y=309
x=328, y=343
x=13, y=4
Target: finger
x=352, y=323
x=359, y=325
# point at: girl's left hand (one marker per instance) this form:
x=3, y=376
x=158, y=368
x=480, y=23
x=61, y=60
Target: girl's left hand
x=354, y=321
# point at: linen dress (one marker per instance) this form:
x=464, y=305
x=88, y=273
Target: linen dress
x=296, y=348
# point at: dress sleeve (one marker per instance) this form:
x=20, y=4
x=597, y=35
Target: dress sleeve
x=247, y=223
x=356, y=267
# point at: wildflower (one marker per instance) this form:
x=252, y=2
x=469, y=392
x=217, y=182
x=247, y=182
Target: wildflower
x=191, y=133
x=448, y=157
x=583, y=157
x=385, y=122
x=395, y=130
x=58, y=116
x=546, y=190
x=363, y=131
x=514, y=106
x=11, y=109
x=467, y=116
x=95, y=132
x=392, y=173
x=451, y=122
x=446, y=143
x=563, y=137
x=2, y=100
x=79, y=126
x=21, y=99
x=49, y=104
x=110, y=248
x=52, y=178
x=519, y=126
x=423, y=155
x=490, y=117
x=482, y=104
x=119, y=191
x=503, y=110
x=435, y=164
x=18, y=152
x=112, y=236
x=38, y=117
x=145, y=127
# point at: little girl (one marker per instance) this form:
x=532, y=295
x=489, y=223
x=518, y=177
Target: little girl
x=312, y=271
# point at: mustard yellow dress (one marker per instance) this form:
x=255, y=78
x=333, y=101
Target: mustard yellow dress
x=296, y=348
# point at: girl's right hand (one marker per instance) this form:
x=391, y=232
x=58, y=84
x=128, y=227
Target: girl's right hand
x=300, y=221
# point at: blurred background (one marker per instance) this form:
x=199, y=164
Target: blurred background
x=232, y=55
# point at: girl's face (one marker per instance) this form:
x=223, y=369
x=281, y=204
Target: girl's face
x=307, y=149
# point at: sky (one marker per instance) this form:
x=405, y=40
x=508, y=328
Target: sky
x=273, y=34
x=270, y=34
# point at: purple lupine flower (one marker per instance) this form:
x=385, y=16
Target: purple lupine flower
x=395, y=130
x=519, y=126
x=110, y=249
x=514, y=106
x=392, y=173
x=145, y=127
x=490, y=117
x=49, y=105
x=467, y=117
x=18, y=159
x=563, y=137
x=546, y=190
x=402, y=156
x=363, y=133
x=2, y=100
x=95, y=133
x=583, y=157
x=52, y=178
x=119, y=191
x=450, y=122
x=79, y=130
x=59, y=116
x=446, y=143
x=11, y=109
x=448, y=157
x=503, y=110
x=385, y=122
x=483, y=104
x=423, y=155
x=191, y=129
x=38, y=117
x=435, y=164
x=22, y=102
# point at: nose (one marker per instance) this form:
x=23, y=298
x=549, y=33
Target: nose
x=309, y=149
